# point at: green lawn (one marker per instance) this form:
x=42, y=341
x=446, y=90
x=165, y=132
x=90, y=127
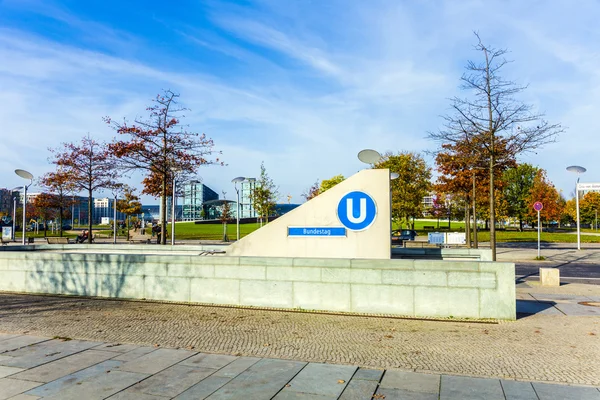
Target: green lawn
x=192, y=231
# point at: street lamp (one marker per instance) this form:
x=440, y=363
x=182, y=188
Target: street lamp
x=173, y=206
x=27, y=176
x=14, y=216
x=235, y=181
x=578, y=170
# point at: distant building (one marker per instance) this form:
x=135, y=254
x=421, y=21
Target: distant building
x=151, y=212
x=246, y=204
x=104, y=208
x=195, y=195
x=7, y=202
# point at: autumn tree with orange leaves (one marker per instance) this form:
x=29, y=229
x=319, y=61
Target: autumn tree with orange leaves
x=89, y=167
x=544, y=191
x=60, y=186
x=160, y=146
x=464, y=174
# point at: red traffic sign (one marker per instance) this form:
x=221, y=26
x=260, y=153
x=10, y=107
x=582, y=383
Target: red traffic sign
x=537, y=206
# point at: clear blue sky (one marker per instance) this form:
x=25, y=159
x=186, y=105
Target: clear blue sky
x=303, y=85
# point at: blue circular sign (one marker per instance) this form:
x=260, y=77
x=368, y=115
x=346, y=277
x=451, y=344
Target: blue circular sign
x=357, y=211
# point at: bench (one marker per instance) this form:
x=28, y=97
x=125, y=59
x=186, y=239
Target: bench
x=429, y=227
x=4, y=242
x=57, y=240
x=140, y=238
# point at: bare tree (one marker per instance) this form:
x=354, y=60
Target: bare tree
x=492, y=121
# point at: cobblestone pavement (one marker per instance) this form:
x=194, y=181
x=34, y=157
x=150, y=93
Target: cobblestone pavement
x=554, y=345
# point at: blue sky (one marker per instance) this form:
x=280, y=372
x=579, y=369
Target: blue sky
x=301, y=85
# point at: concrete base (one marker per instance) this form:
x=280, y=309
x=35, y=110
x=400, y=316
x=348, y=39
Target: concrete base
x=549, y=277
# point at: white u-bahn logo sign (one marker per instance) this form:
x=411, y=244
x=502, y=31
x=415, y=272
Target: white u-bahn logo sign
x=357, y=211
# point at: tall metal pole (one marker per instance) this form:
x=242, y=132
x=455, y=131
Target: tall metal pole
x=115, y=221
x=539, y=228
x=475, y=239
x=577, y=205
x=173, y=215
x=24, y=209
x=14, y=216
x=237, y=191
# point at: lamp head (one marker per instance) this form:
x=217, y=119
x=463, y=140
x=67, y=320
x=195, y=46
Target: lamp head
x=369, y=156
x=24, y=174
x=577, y=169
x=238, y=179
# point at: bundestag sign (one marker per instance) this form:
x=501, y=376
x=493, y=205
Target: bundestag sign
x=356, y=211
x=590, y=187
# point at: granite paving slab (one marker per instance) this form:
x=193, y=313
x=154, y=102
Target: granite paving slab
x=135, y=353
x=536, y=307
x=214, y=361
x=515, y=390
x=7, y=371
x=64, y=366
x=99, y=387
x=117, y=347
x=173, y=380
x=204, y=388
x=287, y=395
x=578, y=310
x=236, y=367
x=156, y=361
x=58, y=385
x=17, y=342
x=411, y=381
x=11, y=387
x=45, y=352
x=321, y=379
x=261, y=381
x=388, y=393
x=460, y=387
x=548, y=391
x=368, y=374
x=129, y=394
x=359, y=389
x=4, y=336
x=24, y=397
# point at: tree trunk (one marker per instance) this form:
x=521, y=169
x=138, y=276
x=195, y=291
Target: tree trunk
x=60, y=220
x=163, y=213
x=468, y=223
x=475, y=238
x=89, y=238
x=492, y=211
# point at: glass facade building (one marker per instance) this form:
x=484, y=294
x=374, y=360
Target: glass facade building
x=246, y=203
x=195, y=194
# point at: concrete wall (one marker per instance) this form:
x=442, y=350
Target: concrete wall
x=420, y=288
x=442, y=253
x=272, y=239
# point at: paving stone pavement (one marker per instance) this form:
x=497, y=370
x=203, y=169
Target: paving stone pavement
x=126, y=372
x=556, y=338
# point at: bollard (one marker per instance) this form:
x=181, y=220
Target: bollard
x=549, y=277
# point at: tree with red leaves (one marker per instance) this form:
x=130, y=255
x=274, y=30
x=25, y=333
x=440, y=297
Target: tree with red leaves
x=162, y=147
x=60, y=186
x=89, y=166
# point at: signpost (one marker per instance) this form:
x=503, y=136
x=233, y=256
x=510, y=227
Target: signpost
x=538, y=206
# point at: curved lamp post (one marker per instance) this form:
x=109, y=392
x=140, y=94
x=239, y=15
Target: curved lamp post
x=27, y=176
x=235, y=181
x=578, y=170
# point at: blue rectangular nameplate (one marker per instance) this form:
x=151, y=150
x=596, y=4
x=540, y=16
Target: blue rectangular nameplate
x=326, y=231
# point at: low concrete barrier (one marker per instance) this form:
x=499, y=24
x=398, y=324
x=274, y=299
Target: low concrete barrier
x=418, y=288
x=433, y=252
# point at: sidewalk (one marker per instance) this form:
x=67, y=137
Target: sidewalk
x=150, y=349
x=39, y=367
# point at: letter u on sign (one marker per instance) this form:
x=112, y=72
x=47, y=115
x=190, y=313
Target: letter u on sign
x=357, y=211
x=362, y=214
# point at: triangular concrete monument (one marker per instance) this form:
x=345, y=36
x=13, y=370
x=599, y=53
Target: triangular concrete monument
x=350, y=220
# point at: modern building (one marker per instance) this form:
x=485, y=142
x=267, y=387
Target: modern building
x=104, y=208
x=246, y=204
x=195, y=194
x=7, y=201
x=151, y=212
